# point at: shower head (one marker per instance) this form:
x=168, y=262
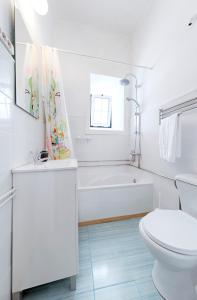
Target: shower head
x=124, y=82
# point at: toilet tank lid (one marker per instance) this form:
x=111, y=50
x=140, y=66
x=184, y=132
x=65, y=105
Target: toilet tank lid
x=188, y=178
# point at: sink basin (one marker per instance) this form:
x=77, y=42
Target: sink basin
x=48, y=166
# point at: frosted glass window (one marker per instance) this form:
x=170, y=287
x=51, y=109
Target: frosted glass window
x=107, y=103
x=101, y=112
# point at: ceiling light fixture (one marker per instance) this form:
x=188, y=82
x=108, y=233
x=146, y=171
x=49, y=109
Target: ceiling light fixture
x=40, y=6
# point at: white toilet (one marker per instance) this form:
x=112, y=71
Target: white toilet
x=171, y=236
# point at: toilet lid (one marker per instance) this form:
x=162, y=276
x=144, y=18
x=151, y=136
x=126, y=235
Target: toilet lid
x=172, y=229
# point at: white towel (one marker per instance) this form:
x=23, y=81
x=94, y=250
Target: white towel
x=170, y=138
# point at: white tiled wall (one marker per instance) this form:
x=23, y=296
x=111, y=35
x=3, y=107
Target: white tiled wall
x=6, y=127
x=19, y=133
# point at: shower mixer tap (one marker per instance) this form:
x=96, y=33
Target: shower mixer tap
x=135, y=154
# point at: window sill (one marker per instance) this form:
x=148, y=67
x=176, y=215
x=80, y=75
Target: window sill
x=105, y=131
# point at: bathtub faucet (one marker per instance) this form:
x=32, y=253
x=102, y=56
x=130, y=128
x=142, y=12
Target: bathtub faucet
x=135, y=156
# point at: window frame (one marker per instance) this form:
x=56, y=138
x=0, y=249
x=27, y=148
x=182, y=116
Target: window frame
x=93, y=131
x=109, y=98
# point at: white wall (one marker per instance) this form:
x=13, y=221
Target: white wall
x=76, y=72
x=7, y=17
x=90, y=41
x=37, y=26
x=166, y=41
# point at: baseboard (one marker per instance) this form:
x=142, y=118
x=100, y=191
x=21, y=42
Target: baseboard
x=113, y=219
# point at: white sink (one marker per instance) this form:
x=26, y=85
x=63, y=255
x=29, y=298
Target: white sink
x=48, y=166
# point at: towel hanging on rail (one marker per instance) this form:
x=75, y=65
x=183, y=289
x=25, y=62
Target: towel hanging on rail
x=170, y=138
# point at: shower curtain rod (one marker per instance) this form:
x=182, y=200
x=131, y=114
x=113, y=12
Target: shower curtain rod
x=104, y=59
x=97, y=58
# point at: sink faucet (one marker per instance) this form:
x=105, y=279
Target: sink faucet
x=39, y=157
x=35, y=157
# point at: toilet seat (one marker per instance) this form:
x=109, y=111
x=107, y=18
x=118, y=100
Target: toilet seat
x=174, y=230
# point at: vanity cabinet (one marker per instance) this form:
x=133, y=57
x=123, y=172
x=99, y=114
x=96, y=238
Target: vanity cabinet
x=5, y=247
x=45, y=224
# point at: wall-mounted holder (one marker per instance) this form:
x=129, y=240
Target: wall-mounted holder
x=83, y=139
x=178, y=108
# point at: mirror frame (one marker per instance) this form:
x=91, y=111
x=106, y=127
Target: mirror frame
x=15, y=72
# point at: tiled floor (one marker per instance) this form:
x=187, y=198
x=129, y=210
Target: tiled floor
x=114, y=265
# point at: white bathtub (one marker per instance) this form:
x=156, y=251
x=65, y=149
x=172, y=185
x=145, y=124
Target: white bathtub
x=113, y=191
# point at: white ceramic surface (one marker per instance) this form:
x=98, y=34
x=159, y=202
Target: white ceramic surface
x=171, y=238
x=172, y=272
x=64, y=164
x=187, y=193
x=105, y=192
x=175, y=230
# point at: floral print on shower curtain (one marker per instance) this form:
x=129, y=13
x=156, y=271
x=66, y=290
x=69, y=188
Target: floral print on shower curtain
x=58, y=139
x=30, y=83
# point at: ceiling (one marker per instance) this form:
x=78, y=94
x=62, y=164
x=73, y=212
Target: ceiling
x=115, y=16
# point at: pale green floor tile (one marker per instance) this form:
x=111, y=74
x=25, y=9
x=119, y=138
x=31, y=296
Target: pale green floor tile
x=83, y=233
x=83, y=296
x=147, y=289
x=126, y=291
x=60, y=289
x=122, y=269
x=79, y=296
x=114, y=248
x=114, y=264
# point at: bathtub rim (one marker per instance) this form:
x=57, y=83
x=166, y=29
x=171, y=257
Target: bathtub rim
x=108, y=186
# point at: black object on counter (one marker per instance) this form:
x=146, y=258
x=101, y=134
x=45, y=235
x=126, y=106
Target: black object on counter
x=44, y=155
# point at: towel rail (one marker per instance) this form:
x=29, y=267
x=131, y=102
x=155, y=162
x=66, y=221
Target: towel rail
x=178, y=108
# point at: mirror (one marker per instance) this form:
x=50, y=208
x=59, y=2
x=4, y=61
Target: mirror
x=27, y=69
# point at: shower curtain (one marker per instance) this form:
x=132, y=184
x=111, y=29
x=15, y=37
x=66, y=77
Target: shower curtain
x=58, y=138
x=29, y=92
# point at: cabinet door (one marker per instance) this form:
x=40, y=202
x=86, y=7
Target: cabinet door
x=5, y=251
x=45, y=235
